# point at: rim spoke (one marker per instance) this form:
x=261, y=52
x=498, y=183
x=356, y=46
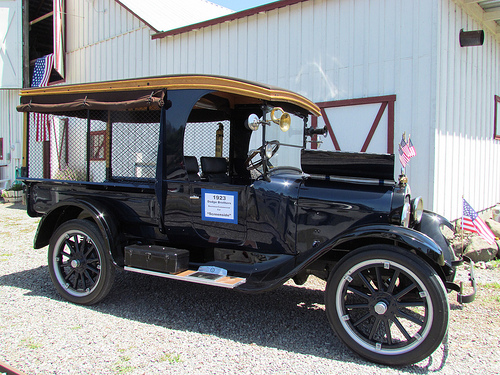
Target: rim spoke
x=91, y=248
x=366, y=282
x=68, y=275
x=357, y=306
x=357, y=292
x=361, y=320
x=92, y=269
x=89, y=278
x=388, y=331
x=405, y=291
x=412, y=304
x=380, y=283
x=83, y=242
x=75, y=281
x=394, y=278
x=93, y=260
x=84, y=284
x=410, y=318
x=71, y=246
x=402, y=329
x=374, y=328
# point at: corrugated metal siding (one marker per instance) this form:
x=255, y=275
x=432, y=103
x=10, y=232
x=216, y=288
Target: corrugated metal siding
x=323, y=49
x=11, y=129
x=467, y=157
x=334, y=50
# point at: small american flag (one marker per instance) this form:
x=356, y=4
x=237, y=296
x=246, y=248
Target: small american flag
x=406, y=151
x=473, y=223
x=43, y=68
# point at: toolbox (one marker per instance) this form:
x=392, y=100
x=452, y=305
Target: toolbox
x=157, y=258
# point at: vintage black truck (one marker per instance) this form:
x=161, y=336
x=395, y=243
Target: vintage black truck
x=196, y=178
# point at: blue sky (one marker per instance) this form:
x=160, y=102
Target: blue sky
x=238, y=5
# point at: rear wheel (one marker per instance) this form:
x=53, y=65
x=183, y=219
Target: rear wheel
x=387, y=305
x=79, y=264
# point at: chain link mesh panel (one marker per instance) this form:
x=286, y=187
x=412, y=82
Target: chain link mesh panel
x=200, y=139
x=76, y=146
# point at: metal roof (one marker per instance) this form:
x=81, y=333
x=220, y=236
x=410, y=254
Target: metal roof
x=487, y=11
x=163, y=15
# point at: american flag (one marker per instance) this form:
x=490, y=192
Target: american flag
x=41, y=74
x=473, y=223
x=406, y=151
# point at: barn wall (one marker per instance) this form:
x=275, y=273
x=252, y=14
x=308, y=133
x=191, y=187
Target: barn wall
x=11, y=131
x=324, y=49
x=467, y=157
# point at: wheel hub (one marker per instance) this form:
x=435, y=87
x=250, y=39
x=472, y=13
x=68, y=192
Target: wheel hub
x=380, y=308
x=75, y=263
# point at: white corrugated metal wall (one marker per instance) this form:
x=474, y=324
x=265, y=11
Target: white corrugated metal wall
x=333, y=50
x=324, y=49
x=11, y=131
x=467, y=157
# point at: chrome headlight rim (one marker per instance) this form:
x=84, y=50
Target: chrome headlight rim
x=406, y=214
x=417, y=209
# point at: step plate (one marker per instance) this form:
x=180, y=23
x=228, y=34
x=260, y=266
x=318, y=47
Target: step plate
x=195, y=277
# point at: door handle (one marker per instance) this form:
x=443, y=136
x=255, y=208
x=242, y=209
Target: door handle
x=194, y=197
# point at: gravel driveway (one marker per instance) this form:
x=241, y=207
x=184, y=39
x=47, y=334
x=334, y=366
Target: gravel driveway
x=150, y=325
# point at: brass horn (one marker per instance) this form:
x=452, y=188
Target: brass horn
x=283, y=121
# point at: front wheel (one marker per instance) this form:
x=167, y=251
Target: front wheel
x=80, y=266
x=387, y=305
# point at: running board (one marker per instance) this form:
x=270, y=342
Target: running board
x=195, y=277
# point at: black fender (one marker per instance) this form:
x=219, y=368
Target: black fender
x=409, y=238
x=405, y=238
x=73, y=209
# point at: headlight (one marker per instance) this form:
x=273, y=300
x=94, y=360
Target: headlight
x=417, y=208
x=405, y=215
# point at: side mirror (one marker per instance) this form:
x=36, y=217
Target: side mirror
x=253, y=122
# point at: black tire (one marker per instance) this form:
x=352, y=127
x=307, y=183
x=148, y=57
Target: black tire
x=79, y=263
x=387, y=305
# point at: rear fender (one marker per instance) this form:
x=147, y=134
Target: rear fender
x=76, y=208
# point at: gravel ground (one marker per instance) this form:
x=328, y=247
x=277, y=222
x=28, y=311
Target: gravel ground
x=150, y=325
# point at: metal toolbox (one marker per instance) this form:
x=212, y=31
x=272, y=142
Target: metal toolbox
x=157, y=258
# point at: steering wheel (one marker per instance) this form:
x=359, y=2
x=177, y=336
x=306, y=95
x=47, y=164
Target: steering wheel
x=250, y=164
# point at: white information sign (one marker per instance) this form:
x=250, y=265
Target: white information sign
x=219, y=205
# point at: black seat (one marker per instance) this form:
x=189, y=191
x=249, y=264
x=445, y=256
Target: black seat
x=191, y=164
x=214, y=169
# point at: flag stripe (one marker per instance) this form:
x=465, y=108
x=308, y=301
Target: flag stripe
x=473, y=223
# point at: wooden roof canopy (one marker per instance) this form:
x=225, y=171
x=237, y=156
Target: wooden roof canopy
x=147, y=92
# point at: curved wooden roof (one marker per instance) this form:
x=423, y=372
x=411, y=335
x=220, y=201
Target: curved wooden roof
x=220, y=84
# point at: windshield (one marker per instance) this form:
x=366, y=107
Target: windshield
x=291, y=142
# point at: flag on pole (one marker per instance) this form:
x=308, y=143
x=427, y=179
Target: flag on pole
x=411, y=149
x=406, y=151
x=473, y=223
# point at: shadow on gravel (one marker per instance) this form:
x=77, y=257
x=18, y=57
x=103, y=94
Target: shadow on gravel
x=289, y=318
x=14, y=206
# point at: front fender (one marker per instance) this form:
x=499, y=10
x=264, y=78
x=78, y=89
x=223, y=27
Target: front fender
x=420, y=242
x=74, y=208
